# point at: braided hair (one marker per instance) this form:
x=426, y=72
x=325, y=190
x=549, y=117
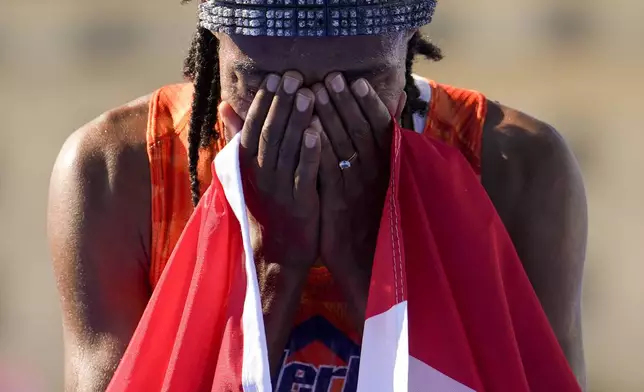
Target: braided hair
x=201, y=67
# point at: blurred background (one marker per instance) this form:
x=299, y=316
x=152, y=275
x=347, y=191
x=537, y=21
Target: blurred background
x=575, y=64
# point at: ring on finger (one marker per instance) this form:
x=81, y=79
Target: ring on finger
x=346, y=164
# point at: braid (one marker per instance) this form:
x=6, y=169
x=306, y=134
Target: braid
x=202, y=68
x=208, y=132
x=417, y=45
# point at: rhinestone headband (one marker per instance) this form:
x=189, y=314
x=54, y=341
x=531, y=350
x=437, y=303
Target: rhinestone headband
x=314, y=18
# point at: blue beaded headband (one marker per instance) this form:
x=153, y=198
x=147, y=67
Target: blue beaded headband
x=314, y=18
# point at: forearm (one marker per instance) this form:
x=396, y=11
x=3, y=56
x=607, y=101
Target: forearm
x=354, y=283
x=281, y=290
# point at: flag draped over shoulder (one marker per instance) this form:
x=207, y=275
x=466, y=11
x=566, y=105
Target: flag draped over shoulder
x=450, y=307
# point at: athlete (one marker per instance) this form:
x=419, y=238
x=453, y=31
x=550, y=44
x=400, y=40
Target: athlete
x=124, y=186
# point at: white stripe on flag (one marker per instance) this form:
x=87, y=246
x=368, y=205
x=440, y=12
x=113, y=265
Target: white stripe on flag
x=385, y=352
x=423, y=377
x=255, y=370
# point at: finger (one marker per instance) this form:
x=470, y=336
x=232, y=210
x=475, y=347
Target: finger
x=376, y=112
x=297, y=123
x=276, y=120
x=232, y=122
x=351, y=116
x=306, y=174
x=330, y=175
x=256, y=114
x=333, y=127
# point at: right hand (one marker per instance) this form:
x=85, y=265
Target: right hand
x=279, y=158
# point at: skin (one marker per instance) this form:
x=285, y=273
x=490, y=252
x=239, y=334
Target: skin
x=99, y=206
x=280, y=179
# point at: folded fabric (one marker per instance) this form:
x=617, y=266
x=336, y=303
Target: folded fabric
x=450, y=308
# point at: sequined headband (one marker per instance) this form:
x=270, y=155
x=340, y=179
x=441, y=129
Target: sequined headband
x=314, y=18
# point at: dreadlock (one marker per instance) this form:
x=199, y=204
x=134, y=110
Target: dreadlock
x=201, y=67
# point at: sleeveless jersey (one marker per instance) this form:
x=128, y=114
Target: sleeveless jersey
x=323, y=353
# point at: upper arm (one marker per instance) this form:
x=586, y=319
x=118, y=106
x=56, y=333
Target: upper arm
x=97, y=241
x=548, y=226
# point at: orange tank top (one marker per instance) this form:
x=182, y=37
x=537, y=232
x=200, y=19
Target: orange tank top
x=323, y=353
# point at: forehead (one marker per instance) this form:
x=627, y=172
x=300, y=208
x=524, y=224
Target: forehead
x=314, y=57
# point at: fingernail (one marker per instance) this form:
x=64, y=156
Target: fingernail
x=290, y=84
x=360, y=88
x=337, y=83
x=302, y=102
x=316, y=124
x=323, y=96
x=310, y=139
x=272, y=83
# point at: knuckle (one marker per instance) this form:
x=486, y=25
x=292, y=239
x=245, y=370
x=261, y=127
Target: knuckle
x=309, y=162
x=361, y=128
x=304, y=178
x=251, y=123
x=281, y=101
x=280, y=110
x=298, y=122
x=263, y=95
x=305, y=172
x=340, y=141
x=288, y=150
x=269, y=136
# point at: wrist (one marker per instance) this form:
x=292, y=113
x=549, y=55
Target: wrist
x=286, y=275
x=281, y=289
x=353, y=280
x=282, y=283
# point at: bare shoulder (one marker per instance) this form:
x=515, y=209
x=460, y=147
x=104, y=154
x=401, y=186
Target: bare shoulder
x=529, y=135
x=519, y=149
x=108, y=136
x=98, y=225
x=105, y=162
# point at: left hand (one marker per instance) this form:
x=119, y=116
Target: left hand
x=357, y=127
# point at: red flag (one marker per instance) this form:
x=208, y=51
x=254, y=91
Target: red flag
x=450, y=307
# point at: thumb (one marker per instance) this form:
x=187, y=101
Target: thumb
x=232, y=122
